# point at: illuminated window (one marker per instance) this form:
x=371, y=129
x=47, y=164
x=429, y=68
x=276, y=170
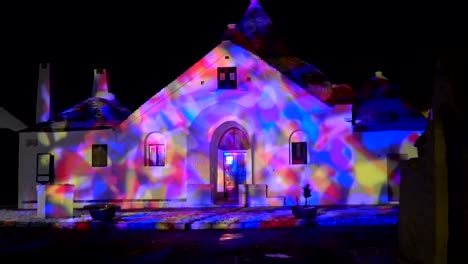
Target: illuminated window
x=44, y=168
x=227, y=78
x=233, y=138
x=155, y=149
x=99, y=155
x=156, y=155
x=299, y=152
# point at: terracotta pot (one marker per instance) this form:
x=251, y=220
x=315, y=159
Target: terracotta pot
x=304, y=212
x=102, y=212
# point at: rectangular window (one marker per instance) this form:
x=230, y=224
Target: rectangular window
x=227, y=83
x=44, y=168
x=99, y=155
x=157, y=155
x=299, y=152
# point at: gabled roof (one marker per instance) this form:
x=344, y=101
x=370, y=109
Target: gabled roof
x=211, y=59
x=256, y=35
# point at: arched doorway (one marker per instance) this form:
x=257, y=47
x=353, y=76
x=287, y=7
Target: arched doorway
x=233, y=159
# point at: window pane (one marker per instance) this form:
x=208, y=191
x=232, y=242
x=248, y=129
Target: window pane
x=299, y=152
x=43, y=164
x=227, y=78
x=99, y=155
x=152, y=155
x=161, y=155
x=156, y=155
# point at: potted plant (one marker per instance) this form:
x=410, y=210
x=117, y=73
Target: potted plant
x=102, y=212
x=305, y=211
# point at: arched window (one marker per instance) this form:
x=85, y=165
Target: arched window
x=298, y=148
x=234, y=139
x=155, y=146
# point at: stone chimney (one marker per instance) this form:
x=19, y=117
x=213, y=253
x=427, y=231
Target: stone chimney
x=100, y=85
x=254, y=3
x=43, y=93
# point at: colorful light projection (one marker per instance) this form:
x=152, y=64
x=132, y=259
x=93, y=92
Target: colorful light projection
x=74, y=148
x=269, y=104
x=69, y=137
x=43, y=94
x=343, y=167
x=55, y=201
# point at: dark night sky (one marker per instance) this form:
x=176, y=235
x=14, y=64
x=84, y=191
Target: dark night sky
x=146, y=45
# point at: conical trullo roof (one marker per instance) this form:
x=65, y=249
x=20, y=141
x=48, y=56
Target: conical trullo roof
x=256, y=33
x=95, y=111
x=99, y=111
x=380, y=107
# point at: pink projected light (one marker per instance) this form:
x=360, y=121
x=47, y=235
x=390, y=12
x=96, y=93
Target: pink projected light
x=55, y=201
x=200, y=142
x=100, y=86
x=43, y=94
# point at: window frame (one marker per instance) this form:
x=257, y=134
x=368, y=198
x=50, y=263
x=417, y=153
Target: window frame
x=158, y=162
x=96, y=159
x=302, y=158
x=227, y=78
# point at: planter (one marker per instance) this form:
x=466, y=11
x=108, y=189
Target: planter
x=102, y=212
x=304, y=212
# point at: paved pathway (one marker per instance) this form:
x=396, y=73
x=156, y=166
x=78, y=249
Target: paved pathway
x=209, y=218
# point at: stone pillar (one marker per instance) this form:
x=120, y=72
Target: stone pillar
x=199, y=195
x=55, y=200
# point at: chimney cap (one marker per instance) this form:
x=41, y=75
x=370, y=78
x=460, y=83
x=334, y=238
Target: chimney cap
x=254, y=3
x=100, y=70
